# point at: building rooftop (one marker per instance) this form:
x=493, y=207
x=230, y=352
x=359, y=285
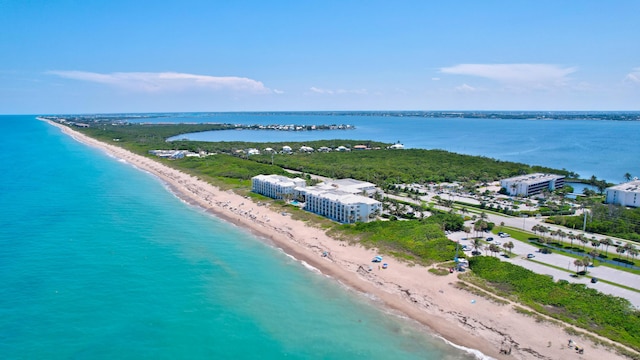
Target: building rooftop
x=279, y=179
x=533, y=178
x=630, y=186
x=349, y=185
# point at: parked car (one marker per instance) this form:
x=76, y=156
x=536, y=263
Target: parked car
x=594, y=280
x=530, y=256
x=489, y=239
x=476, y=252
x=504, y=235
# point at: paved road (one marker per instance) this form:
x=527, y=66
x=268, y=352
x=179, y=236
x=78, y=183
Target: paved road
x=558, y=260
x=565, y=262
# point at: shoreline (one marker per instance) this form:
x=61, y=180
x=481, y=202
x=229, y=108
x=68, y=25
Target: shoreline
x=457, y=316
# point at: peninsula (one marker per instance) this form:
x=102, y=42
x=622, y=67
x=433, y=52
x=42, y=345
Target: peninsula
x=496, y=328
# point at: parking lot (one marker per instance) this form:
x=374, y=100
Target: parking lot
x=537, y=262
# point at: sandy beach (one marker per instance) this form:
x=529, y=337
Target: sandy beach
x=457, y=315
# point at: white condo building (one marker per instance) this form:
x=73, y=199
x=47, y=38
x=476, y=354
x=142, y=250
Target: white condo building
x=627, y=194
x=275, y=186
x=531, y=184
x=344, y=200
x=340, y=205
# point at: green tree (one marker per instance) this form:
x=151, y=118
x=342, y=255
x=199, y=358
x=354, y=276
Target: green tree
x=593, y=254
x=633, y=252
x=476, y=243
x=583, y=239
x=627, y=176
x=586, y=262
x=479, y=226
x=578, y=263
x=571, y=237
x=509, y=246
x=628, y=248
x=606, y=242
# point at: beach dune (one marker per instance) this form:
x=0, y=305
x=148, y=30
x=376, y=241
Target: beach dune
x=460, y=317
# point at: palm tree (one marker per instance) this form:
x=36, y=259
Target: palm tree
x=583, y=239
x=586, y=262
x=594, y=242
x=571, y=237
x=494, y=248
x=627, y=176
x=606, y=242
x=542, y=230
x=628, y=248
x=578, y=263
x=509, y=246
x=593, y=254
x=476, y=243
x=633, y=252
x=562, y=235
x=620, y=250
x=479, y=226
x=534, y=228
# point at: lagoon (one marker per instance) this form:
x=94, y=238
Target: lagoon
x=604, y=148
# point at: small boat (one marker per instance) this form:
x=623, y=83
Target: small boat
x=377, y=259
x=384, y=266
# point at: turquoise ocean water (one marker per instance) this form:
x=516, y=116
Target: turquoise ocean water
x=98, y=260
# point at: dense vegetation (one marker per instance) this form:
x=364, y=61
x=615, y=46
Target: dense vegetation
x=145, y=136
x=610, y=220
x=420, y=241
x=222, y=165
x=607, y=315
x=381, y=167
x=404, y=166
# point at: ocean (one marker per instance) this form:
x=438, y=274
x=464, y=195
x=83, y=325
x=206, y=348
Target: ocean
x=99, y=260
x=604, y=148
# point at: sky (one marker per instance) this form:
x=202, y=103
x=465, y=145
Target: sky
x=113, y=56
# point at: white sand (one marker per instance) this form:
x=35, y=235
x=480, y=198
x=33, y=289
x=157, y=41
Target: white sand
x=411, y=290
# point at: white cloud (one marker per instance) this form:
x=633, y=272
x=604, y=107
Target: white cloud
x=166, y=81
x=465, y=88
x=435, y=78
x=338, y=91
x=539, y=75
x=633, y=76
x=320, y=91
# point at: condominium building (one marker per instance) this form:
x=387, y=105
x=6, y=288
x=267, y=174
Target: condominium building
x=340, y=206
x=275, y=186
x=531, y=184
x=344, y=200
x=627, y=194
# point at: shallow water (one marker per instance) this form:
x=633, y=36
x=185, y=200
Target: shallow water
x=100, y=260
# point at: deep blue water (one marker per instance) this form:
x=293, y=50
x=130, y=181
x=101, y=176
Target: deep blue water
x=98, y=260
x=606, y=149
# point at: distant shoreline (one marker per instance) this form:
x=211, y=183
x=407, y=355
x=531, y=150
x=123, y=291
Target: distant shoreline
x=412, y=290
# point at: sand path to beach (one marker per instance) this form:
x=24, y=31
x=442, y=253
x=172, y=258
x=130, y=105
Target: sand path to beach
x=457, y=315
